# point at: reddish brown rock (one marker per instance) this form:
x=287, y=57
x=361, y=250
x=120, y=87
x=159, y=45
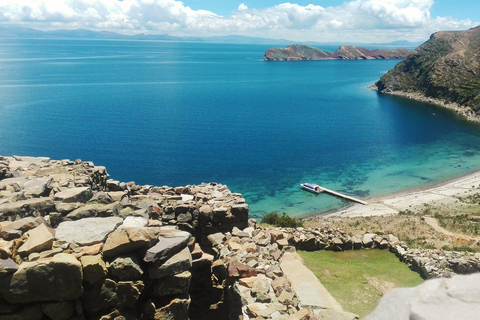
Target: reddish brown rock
x=237, y=269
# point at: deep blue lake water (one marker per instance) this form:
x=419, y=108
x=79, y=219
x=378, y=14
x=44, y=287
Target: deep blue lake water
x=166, y=113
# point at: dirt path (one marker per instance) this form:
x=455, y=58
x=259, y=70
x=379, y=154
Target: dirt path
x=432, y=222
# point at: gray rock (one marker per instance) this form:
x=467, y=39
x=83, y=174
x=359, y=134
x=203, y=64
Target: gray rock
x=7, y=266
x=178, y=284
x=455, y=298
x=88, y=211
x=169, y=243
x=126, y=268
x=101, y=197
x=108, y=294
x=42, y=205
x=134, y=221
x=87, y=231
x=179, y=263
x=79, y=194
x=216, y=238
x=367, y=239
x=56, y=279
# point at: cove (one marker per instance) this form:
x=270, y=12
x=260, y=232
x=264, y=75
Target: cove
x=166, y=113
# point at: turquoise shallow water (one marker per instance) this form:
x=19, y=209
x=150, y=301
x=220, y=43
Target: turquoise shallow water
x=184, y=113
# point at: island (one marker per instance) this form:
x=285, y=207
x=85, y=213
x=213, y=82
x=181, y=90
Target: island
x=302, y=52
x=444, y=70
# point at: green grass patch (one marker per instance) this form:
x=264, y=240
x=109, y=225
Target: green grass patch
x=358, y=279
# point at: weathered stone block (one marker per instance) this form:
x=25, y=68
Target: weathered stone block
x=126, y=268
x=110, y=294
x=55, y=279
x=94, y=268
x=178, y=284
x=179, y=263
x=169, y=243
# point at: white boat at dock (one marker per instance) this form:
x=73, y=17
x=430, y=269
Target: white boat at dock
x=311, y=187
x=315, y=188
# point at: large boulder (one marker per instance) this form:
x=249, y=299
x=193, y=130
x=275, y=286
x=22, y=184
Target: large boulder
x=87, y=231
x=54, y=279
x=454, y=298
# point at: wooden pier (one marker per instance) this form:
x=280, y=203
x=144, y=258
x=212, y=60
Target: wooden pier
x=341, y=195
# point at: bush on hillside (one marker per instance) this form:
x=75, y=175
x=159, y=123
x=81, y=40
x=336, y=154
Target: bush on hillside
x=283, y=220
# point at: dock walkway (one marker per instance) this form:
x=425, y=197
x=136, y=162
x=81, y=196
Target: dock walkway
x=341, y=195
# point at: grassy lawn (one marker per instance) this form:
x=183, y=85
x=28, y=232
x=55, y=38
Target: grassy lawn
x=358, y=279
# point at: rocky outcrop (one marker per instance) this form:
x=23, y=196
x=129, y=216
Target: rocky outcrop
x=446, y=67
x=303, y=52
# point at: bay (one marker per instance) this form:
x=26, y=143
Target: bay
x=166, y=113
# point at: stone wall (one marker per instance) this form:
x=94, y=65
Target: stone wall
x=77, y=245
x=429, y=263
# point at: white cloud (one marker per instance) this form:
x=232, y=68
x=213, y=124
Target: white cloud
x=242, y=7
x=356, y=20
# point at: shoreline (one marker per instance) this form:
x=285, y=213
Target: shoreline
x=441, y=193
x=465, y=111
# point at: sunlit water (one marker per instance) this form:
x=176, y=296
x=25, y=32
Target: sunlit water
x=174, y=114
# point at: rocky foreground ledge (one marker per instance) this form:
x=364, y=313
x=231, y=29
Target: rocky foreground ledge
x=75, y=244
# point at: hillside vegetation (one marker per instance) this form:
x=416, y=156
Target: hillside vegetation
x=446, y=67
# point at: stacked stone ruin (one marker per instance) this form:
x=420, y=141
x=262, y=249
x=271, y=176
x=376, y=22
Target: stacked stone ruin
x=75, y=244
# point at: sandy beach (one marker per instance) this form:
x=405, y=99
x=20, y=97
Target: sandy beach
x=441, y=194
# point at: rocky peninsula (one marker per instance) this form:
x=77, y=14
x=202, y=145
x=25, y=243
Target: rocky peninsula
x=78, y=245
x=444, y=70
x=302, y=52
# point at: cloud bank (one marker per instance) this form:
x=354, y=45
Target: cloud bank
x=357, y=20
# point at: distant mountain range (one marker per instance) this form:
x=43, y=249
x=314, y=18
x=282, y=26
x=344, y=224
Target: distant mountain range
x=29, y=33
x=297, y=52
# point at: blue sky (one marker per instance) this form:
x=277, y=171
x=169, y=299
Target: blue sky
x=361, y=21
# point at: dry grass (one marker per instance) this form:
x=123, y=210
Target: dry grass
x=409, y=227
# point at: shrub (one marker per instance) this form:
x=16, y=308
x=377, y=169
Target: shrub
x=284, y=220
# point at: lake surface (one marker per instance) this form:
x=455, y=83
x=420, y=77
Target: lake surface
x=165, y=113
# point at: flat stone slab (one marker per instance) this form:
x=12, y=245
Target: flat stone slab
x=43, y=204
x=87, y=231
x=39, y=239
x=309, y=290
x=79, y=194
x=169, y=243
